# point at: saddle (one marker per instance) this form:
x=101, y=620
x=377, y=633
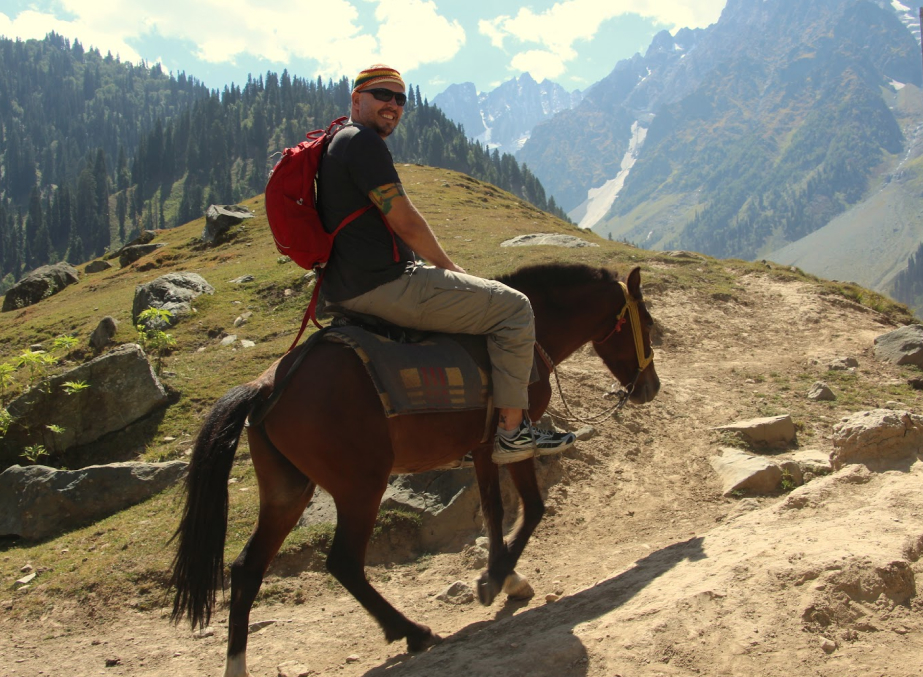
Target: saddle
x=413, y=371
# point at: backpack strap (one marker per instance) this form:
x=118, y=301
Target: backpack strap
x=310, y=312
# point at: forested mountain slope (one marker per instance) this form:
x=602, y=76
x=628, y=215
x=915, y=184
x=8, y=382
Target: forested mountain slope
x=93, y=149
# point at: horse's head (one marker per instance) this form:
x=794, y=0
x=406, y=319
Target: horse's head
x=625, y=347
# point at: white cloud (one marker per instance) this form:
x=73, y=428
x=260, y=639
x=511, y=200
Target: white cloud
x=556, y=30
x=540, y=63
x=220, y=31
x=413, y=33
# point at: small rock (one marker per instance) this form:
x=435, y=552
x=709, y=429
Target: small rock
x=843, y=364
x=260, y=625
x=287, y=293
x=820, y=392
x=244, y=343
x=112, y=662
x=25, y=580
x=457, y=593
x=586, y=433
x=104, y=332
x=828, y=645
x=242, y=279
x=293, y=669
x=202, y=633
x=26, y=569
x=229, y=339
x=916, y=383
x=476, y=556
x=168, y=438
x=558, y=588
x=891, y=404
x=352, y=659
x=551, y=597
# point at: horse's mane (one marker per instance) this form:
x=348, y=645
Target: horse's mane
x=556, y=276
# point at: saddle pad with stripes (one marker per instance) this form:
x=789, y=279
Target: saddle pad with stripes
x=436, y=374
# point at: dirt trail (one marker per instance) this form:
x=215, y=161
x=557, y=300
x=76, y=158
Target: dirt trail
x=657, y=573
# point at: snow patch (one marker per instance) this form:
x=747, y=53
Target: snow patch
x=600, y=200
x=897, y=85
x=899, y=7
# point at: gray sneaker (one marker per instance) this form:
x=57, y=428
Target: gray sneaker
x=529, y=442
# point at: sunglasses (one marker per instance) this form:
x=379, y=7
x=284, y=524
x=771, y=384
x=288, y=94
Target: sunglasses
x=386, y=95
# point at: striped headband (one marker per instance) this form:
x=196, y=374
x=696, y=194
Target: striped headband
x=376, y=75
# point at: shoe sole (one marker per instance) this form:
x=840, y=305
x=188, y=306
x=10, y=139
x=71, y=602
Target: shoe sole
x=506, y=457
x=557, y=450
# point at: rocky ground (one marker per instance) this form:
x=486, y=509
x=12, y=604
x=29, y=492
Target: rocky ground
x=641, y=567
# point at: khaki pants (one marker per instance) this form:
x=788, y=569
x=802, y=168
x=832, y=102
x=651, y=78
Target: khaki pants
x=433, y=299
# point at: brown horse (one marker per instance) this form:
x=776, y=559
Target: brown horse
x=328, y=429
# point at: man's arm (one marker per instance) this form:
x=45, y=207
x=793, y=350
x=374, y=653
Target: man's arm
x=410, y=225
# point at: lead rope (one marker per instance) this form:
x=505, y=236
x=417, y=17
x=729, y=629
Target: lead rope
x=593, y=418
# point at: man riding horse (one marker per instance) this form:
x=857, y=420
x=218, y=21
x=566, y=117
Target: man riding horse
x=373, y=267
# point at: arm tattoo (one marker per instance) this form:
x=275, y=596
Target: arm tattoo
x=384, y=195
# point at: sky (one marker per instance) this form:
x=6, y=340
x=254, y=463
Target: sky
x=434, y=43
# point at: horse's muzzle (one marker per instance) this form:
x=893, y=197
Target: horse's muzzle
x=646, y=388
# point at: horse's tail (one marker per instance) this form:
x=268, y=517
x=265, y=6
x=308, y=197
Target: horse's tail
x=198, y=568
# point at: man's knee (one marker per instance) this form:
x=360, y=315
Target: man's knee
x=516, y=304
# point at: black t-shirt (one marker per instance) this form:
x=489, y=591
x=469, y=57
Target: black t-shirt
x=356, y=162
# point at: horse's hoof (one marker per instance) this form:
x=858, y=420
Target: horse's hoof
x=488, y=589
x=423, y=640
x=517, y=587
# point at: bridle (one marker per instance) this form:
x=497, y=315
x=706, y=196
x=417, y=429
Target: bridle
x=631, y=314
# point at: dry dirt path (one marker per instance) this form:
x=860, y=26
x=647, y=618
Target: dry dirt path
x=658, y=573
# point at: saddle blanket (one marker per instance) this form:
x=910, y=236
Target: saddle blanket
x=441, y=373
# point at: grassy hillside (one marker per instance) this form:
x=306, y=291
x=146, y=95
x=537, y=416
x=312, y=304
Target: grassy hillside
x=123, y=560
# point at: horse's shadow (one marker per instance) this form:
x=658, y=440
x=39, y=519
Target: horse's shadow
x=540, y=641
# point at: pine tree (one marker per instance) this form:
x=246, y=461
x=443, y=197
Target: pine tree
x=101, y=236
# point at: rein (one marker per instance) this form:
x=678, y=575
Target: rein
x=631, y=309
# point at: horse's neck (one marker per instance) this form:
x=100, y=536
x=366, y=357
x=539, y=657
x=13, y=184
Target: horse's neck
x=565, y=335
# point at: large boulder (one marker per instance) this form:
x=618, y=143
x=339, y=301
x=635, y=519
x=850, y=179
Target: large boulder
x=144, y=237
x=447, y=507
x=174, y=292
x=548, y=239
x=743, y=472
x=37, y=502
x=878, y=438
x=221, y=218
x=122, y=389
x=771, y=430
x=901, y=346
x=97, y=266
x=128, y=255
x=40, y=284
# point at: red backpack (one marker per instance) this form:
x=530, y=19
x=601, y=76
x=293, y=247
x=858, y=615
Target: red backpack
x=291, y=209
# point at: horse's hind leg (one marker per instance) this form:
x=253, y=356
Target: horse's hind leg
x=356, y=514
x=284, y=494
x=500, y=573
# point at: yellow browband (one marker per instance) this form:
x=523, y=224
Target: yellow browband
x=631, y=307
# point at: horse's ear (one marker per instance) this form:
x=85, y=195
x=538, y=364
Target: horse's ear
x=634, y=283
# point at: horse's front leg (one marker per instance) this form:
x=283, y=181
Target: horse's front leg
x=502, y=558
x=533, y=508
